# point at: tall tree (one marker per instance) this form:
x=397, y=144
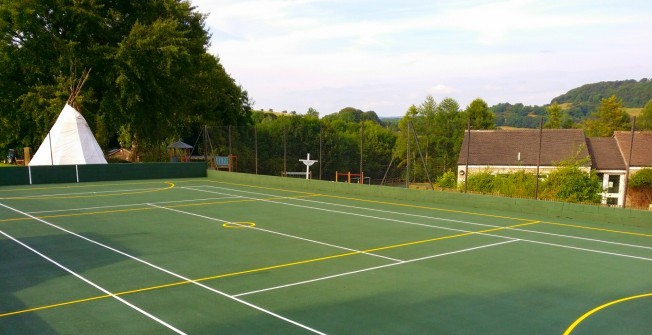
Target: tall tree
x=609, y=117
x=480, y=115
x=555, y=114
x=448, y=132
x=151, y=73
x=644, y=121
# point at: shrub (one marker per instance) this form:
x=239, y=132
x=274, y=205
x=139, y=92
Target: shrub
x=447, y=180
x=570, y=183
x=517, y=184
x=481, y=182
x=642, y=178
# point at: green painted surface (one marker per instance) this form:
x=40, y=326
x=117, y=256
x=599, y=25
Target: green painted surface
x=433, y=262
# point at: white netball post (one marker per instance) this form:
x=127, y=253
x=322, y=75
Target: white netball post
x=308, y=162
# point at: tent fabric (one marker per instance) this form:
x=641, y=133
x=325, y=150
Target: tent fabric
x=179, y=145
x=69, y=142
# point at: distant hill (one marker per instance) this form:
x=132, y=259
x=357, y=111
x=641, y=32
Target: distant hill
x=578, y=102
x=586, y=98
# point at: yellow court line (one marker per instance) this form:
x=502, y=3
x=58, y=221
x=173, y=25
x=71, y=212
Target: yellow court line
x=595, y=310
x=171, y=185
x=75, y=186
x=452, y=236
x=598, y=229
x=267, y=268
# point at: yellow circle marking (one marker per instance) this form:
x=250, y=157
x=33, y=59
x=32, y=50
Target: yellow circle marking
x=593, y=311
x=238, y=225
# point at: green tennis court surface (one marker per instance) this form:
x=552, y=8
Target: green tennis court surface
x=203, y=256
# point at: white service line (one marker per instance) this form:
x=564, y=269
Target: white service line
x=372, y=268
x=130, y=205
x=140, y=310
x=446, y=228
x=439, y=219
x=279, y=233
x=278, y=316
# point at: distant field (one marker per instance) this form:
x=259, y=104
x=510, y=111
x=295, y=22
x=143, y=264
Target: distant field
x=634, y=111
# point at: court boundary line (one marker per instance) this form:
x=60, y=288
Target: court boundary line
x=226, y=295
x=91, y=283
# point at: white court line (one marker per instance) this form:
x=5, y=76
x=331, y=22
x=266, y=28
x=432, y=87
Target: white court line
x=440, y=219
x=140, y=310
x=82, y=193
x=278, y=316
x=282, y=234
x=372, y=268
x=129, y=205
x=437, y=227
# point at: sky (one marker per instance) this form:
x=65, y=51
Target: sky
x=385, y=56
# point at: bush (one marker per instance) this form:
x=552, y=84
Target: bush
x=518, y=184
x=642, y=178
x=447, y=180
x=481, y=182
x=570, y=183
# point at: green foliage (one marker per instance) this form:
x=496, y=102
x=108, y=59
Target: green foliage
x=644, y=120
x=312, y=113
x=570, y=183
x=517, y=115
x=555, y=114
x=440, y=128
x=586, y=98
x=151, y=72
x=517, y=184
x=481, y=182
x=642, y=178
x=480, y=115
x=354, y=115
x=447, y=180
x=609, y=117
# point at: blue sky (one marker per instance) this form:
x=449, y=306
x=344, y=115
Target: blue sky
x=387, y=55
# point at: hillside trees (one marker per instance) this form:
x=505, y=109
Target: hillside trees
x=151, y=74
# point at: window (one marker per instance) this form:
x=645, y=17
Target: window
x=614, y=184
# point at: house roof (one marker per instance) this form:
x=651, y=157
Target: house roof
x=502, y=147
x=605, y=154
x=642, y=149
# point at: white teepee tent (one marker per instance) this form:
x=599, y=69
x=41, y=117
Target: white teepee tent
x=69, y=142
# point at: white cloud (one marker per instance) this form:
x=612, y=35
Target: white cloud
x=298, y=54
